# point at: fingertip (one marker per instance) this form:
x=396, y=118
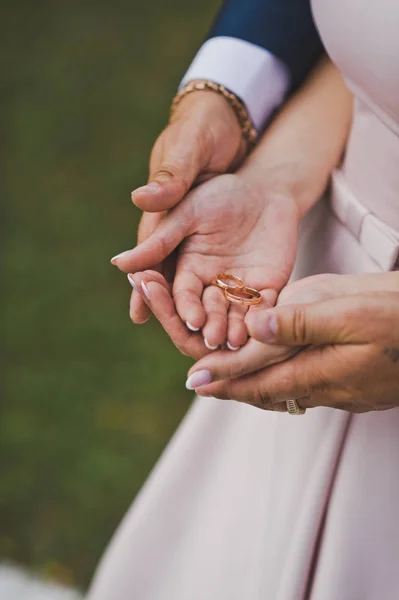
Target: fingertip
x=114, y=259
x=155, y=197
x=262, y=325
x=139, y=312
x=232, y=348
x=209, y=345
x=192, y=314
x=145, y=191
x=132, y=282
x=146, y=291
x=192, y=327
x=237, y=334
x=140, y=319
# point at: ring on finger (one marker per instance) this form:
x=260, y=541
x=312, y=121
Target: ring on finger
x=293, y=408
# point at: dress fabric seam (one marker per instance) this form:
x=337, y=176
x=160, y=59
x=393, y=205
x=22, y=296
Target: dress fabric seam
x=323, y=520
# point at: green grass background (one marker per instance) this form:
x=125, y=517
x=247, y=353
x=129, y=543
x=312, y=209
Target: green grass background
x=89, y=400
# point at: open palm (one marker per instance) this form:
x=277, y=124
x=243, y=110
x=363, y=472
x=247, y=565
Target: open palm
x=225, y=225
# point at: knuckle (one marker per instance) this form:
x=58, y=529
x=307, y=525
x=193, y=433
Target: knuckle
x=182, y=297
x=167, y=171
x=299, y=326
x=179, y=294
x=235, y=369
x=161, y=246
x=183, y=349
x=182, y=344
x=321, y=387
x=286, y=384
x=314, y=379
x=313, y=288
x=174, y=172
x=217, y=313
x=263, y=399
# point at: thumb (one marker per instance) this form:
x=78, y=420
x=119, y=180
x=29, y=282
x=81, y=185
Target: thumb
x=349, y=319
x=180, y=154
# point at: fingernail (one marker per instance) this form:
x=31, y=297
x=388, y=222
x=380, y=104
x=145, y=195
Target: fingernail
x=191, y=327
x=198, y=379
x=270, y=328
x=132, y=283
x=152, y=187
x=233, y=348
x=145, y=290
x=209, y=346
x=115, y=258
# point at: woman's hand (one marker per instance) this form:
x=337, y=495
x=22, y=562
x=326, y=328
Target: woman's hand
x=349, y=355
x=203, y=140
x=226, y=225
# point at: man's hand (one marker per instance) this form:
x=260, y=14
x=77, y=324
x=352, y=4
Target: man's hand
x=349, y=355
x=203, y=140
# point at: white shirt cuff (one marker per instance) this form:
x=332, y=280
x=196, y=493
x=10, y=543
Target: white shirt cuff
x=252, y=73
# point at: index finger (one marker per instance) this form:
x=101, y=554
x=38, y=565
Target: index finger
x=223, y=364
x=163, y=308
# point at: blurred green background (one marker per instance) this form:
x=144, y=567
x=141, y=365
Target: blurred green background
x=89, y=400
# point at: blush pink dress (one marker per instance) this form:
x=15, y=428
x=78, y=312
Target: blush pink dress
x=252, y=505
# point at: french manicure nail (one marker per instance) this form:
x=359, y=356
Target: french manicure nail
x=191, y=327
x=233, y=348
x=198, y=379
x=132, y=282
x=152, y=187
x=145, y=290
x=209, y=346
x=115, y=258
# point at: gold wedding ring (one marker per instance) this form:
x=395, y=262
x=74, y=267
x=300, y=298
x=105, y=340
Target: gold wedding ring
x=224, y=281
x=293, y=408
x=245, y=295
x=238, y=293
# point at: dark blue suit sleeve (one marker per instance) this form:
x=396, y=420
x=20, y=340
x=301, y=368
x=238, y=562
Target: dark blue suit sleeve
x=283, y=27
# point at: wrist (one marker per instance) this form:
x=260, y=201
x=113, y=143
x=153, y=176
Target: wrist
x=203, y=102
x=277, y=181
x=291, y=178
x=211, y=113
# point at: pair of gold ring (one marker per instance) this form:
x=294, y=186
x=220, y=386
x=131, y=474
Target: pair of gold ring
x=236, y=291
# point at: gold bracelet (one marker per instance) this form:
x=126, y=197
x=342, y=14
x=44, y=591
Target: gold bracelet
x=244, y=120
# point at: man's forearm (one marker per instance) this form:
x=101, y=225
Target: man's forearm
x=305, y=142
